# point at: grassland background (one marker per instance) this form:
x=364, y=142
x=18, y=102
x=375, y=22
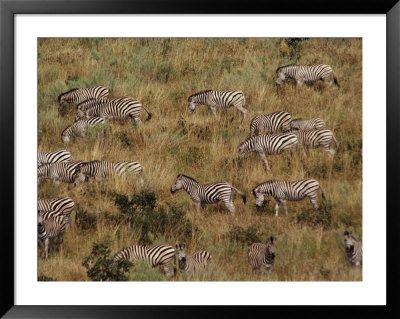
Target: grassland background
x=162, y=73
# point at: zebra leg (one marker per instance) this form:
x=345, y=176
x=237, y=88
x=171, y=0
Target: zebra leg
x=264, y=159
x=230, y=206
x=313, y=201
x=198, y=206
x=277, y=203
x=212, y=110
x=330, y=151
x=137, y=120
x=284, y=205
x=46, y=247
x=242, y=110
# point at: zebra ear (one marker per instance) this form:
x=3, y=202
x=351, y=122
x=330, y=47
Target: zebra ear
x=184, y=246
x=346, y=233
x=271, y=239
x=177, y=246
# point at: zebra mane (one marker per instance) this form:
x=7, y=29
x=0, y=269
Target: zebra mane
x=59, y=97
x=198, y=93
x=187, y=177
x=285, y=66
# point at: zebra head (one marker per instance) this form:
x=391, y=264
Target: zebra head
x=349, y=241
x=270, y=243
x=191, y=105
x=259, y=194
x=66, y=134
x=244, y=147
x=280, y=76
x=180, y=249
x=178, y=184
x=79, y=115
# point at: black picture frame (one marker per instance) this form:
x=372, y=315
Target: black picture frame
x=8, y=10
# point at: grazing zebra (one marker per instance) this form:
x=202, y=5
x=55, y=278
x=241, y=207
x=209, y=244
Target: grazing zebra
x=48, y=229
x=79, y=127
x=269, y=123
x=62, y=172
x=54, y=157
x=306, y=73
x=207, y=193
x=83, y=94
x=82, y=107
x=262, y=254
x=267, y=144
x=162, y=256
x=307, y=125
x=194, y=262
x=57, y=206
x=100, y=169
x=317, y=138
x=353, y=249
x=117, y=109
x=214, y=99
x=287, y=190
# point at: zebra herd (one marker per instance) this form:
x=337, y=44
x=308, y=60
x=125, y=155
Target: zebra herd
x=269, y=134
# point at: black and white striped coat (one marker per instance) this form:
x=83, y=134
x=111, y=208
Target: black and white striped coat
x=162, y=256
x=84, y=106
x=307, y=124
x=194, y=262
x=49, y=228
x=353, y=249
x=262, y=254
x=79, y=128
x=119, y=108
x=101, y=169
x=82, y=94
x=214, y=99
x=61, y=172
x=268, y=144
x=207, y=193
x=306, y=74
x=54, y=157
x=317, y=138
x=287, y=190
x=270, y=123
x=57, y=206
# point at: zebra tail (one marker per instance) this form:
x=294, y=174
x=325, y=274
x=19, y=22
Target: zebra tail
x=322, y=192
x=335, y=80
x=148, y=112
x=336, y=142
x=241, y=194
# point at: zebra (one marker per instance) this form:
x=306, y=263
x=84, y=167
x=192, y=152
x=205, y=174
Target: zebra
x=54, y=157
x=287, y=190
x=57, y=206
x=82, y=94
x=307, y=125
x=306, y=73
x=117, y=109
x=269, y=123
x=267, y=144
x=353, y=249
x=161, y=256
x=82, y=107
x=317, y=138
x=101, y=169
x=213, y=99
x=262, y=254
x=193, y=262
x=48, y=229
x=62, y=172
x=207, y=193
x=79, y=127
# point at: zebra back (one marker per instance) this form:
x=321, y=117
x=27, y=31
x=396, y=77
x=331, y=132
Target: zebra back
x=307, y=124
x=270, y=144
x=54, y=157
x=83, y=94
x=269, y=123
x=156, y=255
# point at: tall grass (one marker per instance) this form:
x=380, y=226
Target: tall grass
x=162, y=73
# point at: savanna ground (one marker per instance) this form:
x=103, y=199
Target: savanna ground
x=162, y=73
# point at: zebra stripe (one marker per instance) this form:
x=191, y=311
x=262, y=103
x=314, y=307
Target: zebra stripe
x=287, y=190
x=214, y=99
x=193, y=262
x=53, y=157
x=57, y=206
x=207, y=193
x=262, y=254
x=160, y=255
x=79, y=128
x=82, y=107
x=267, y=144
x=82, y=94
x=62, y=172
x=269, y=123
x=307, y=125
x=353, y=249
x=317, y=138
x=306, y=73
x=48, y=229
x=117, y=109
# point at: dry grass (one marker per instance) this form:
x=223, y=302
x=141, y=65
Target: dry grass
x=161, y=73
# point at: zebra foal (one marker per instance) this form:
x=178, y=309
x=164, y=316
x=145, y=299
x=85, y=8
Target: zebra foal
x=79, y=128
x=162, y=256
x=287, y=190
x=214, y=99
x=353, y=249
x=207, y=193
x=194, y=262
x=54, y=157
x=57, y=206
x=306, y=74
x=267, y=144
x=317, y=138
x=269, y=123
x=48, y=229
x=262, y=254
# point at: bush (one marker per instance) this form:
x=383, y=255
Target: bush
x=244, y=236
x=316, y=217
x=86, y=221
x=101, y=267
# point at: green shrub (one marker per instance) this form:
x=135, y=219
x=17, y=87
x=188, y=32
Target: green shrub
x=243, y=236
x=86, y=221
x=316, y=217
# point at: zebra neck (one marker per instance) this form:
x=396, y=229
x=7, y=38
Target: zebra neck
x=189, y=186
